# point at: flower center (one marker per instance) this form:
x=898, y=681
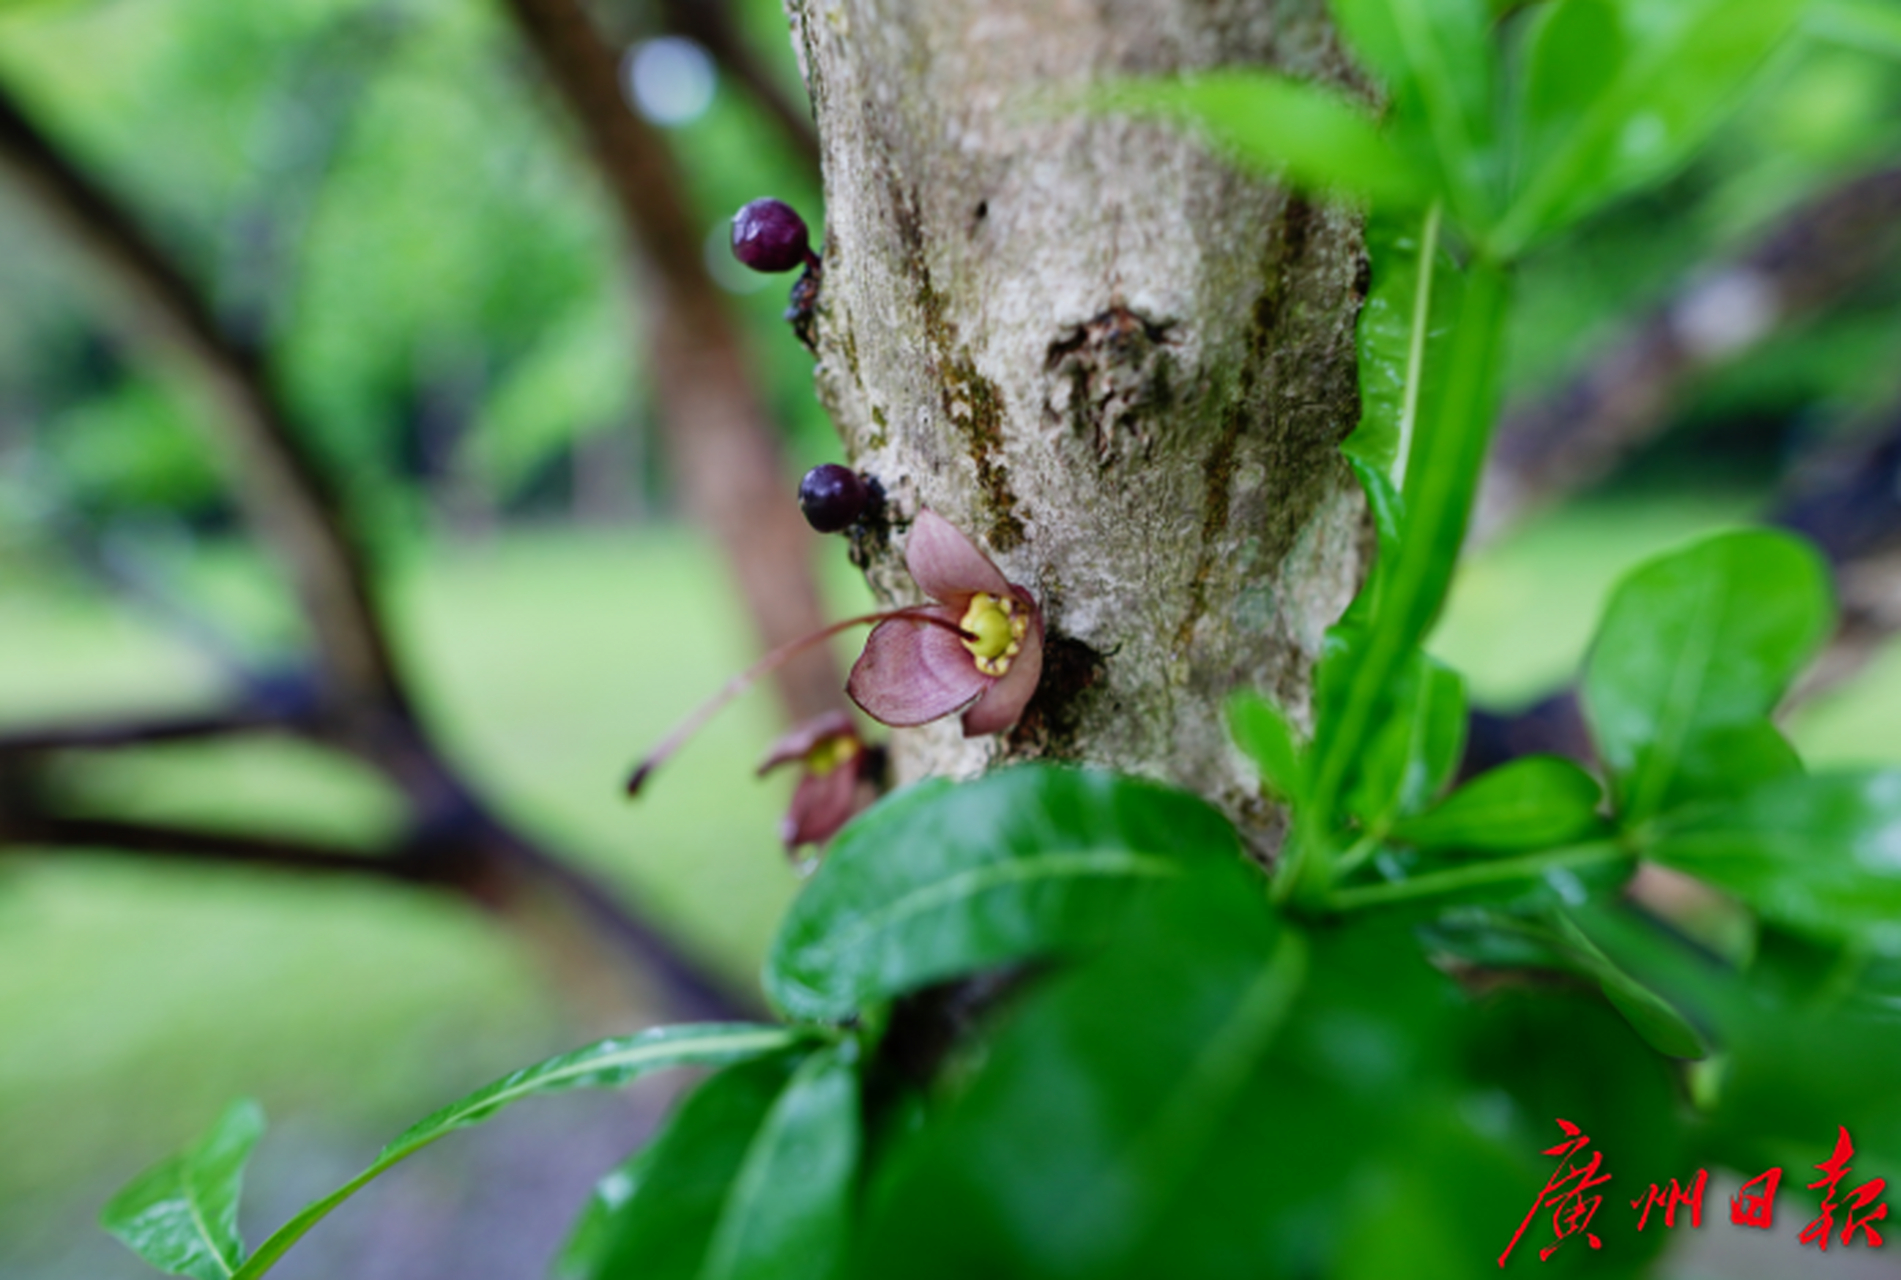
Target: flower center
x=829, y=753
x=998, y=624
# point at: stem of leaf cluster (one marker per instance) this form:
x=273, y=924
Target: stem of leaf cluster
x=1475, y=875
x=1454, y=428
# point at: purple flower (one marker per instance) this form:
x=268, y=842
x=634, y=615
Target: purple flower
x=833, y=786
x=978, y=650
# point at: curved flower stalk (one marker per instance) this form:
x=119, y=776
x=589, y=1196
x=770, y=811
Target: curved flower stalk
x=978, y=650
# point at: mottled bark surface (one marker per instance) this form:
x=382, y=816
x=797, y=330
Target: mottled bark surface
x=1118, y=364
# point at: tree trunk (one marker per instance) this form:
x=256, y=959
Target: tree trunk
x=1120, y=365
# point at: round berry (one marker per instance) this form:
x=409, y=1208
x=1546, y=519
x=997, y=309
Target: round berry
x=832, y=497
x=769, y=236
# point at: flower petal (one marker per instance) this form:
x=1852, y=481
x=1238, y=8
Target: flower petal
x=913, y=672
x=1002, y=704
x=806, y=734
x=946, y=564
x=821, y=804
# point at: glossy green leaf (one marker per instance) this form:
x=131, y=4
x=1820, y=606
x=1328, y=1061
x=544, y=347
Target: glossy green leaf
x=1313, y=135
x=1068, y=1152
x=1405, y=322
x=1261, y=731
x=788, y=1213
x=1696, y=642
x=603, y=1065
x=664, y=1228
x=1677, y=67
x=1821, y=854
x=944, y=879
x=1871, y=25
x=1537, y=802
x=182, y=1214
x=1437, y=61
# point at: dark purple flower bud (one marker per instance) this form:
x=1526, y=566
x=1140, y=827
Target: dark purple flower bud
x=832, y=497
x=769, y=236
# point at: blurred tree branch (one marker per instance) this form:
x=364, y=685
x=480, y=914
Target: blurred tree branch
x=1580, y=433
x=1846, y=498
x=721, y=441
x=433, y=857
x=107, y=734
x=37, y=829
x=361, y=703
x=282, y=490
x=710, y=23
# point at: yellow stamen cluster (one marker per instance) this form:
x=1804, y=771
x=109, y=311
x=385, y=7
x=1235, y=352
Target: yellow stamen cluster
x=828, y=754
x=999, y=624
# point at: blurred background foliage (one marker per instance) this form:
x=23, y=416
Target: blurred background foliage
x=383, y=194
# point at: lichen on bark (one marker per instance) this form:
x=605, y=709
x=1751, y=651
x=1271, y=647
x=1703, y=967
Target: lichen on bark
x=1121, y=365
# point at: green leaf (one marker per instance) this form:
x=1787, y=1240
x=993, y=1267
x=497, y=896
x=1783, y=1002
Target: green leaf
x=1103, y=1096
x=1821, y=855
x=1797, y=1061
x=1870, y=25
x=1405, y=322
x=1458, y=405
x=1313, y=135
x=598, y=1066
x=1592, y=136
x=1540, y=1054
x=1693, y=643
x=1662, y=1025
x=592, y=1234
x=1437, y=61
x=788, y=1213
x=663, y=1229
x=1573, y=53
x=182, y=1214
x=943, y=879
x=1729, y=763
x=1536, y=802
x=1262, y=732
x=1415, y=752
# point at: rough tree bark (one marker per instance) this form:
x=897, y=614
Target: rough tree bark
x=1120, y=365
